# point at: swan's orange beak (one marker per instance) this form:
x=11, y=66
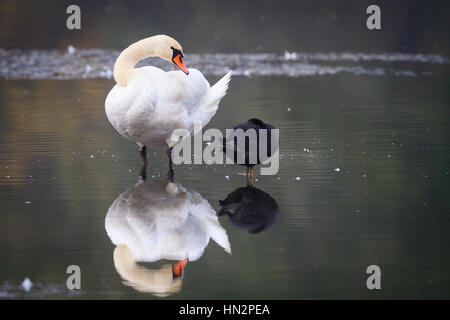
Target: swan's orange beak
x=178, y=269
x=178, y=60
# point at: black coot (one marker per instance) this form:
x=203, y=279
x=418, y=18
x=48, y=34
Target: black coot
x=231, y=149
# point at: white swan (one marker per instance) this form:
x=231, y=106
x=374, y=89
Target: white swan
x=147, y=103
x=154, y=221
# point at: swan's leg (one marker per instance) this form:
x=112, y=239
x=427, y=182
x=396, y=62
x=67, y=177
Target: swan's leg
x=170, y=174
x=177, y=269
x=251, y=176
x=143, y=153
x=246, y=175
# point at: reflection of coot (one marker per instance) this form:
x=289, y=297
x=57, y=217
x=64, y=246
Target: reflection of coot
x=249, y=208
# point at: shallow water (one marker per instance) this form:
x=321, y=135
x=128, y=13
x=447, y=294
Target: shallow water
x=363, y=180
x=364, y=159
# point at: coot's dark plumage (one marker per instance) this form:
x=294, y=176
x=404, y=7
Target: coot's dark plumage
x=249, y=208
x=257, y=125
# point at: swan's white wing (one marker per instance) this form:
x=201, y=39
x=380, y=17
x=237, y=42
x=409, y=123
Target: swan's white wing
x=177, y=88
x=177, y=96
x=191, y=93
x=210, y=103
x=129, y=108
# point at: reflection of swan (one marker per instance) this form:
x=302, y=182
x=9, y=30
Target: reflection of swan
x=148, y=104
x=161, y=220
x=160, y=282
x=249, y=208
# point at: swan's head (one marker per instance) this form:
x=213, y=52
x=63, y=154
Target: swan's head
x=172, y=51
x=177, y=58
x=161, y=46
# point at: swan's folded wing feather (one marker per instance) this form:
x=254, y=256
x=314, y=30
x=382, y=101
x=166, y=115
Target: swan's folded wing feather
x=210, y=103
x=177, y=88
x=129, y=108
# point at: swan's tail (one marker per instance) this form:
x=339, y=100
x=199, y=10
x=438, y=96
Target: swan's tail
x=218, y=91
x=211, y=101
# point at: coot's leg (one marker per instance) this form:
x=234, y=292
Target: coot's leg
x=170, y=174
x=143, y=153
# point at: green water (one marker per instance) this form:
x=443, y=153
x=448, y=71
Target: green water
x=62, y=165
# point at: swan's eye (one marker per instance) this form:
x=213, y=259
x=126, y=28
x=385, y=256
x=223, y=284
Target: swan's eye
x=176, y=52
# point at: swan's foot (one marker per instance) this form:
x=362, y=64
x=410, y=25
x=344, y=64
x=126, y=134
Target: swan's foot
x=170, y=174
x=177, y=269
x=143, y=153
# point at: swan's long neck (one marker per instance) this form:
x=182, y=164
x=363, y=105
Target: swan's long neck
x=127, y=60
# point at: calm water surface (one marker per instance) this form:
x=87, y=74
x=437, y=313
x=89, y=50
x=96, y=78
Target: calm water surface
x=363, y=180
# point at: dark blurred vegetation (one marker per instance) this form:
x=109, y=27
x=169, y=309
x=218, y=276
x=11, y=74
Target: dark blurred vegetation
x=231, y=26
